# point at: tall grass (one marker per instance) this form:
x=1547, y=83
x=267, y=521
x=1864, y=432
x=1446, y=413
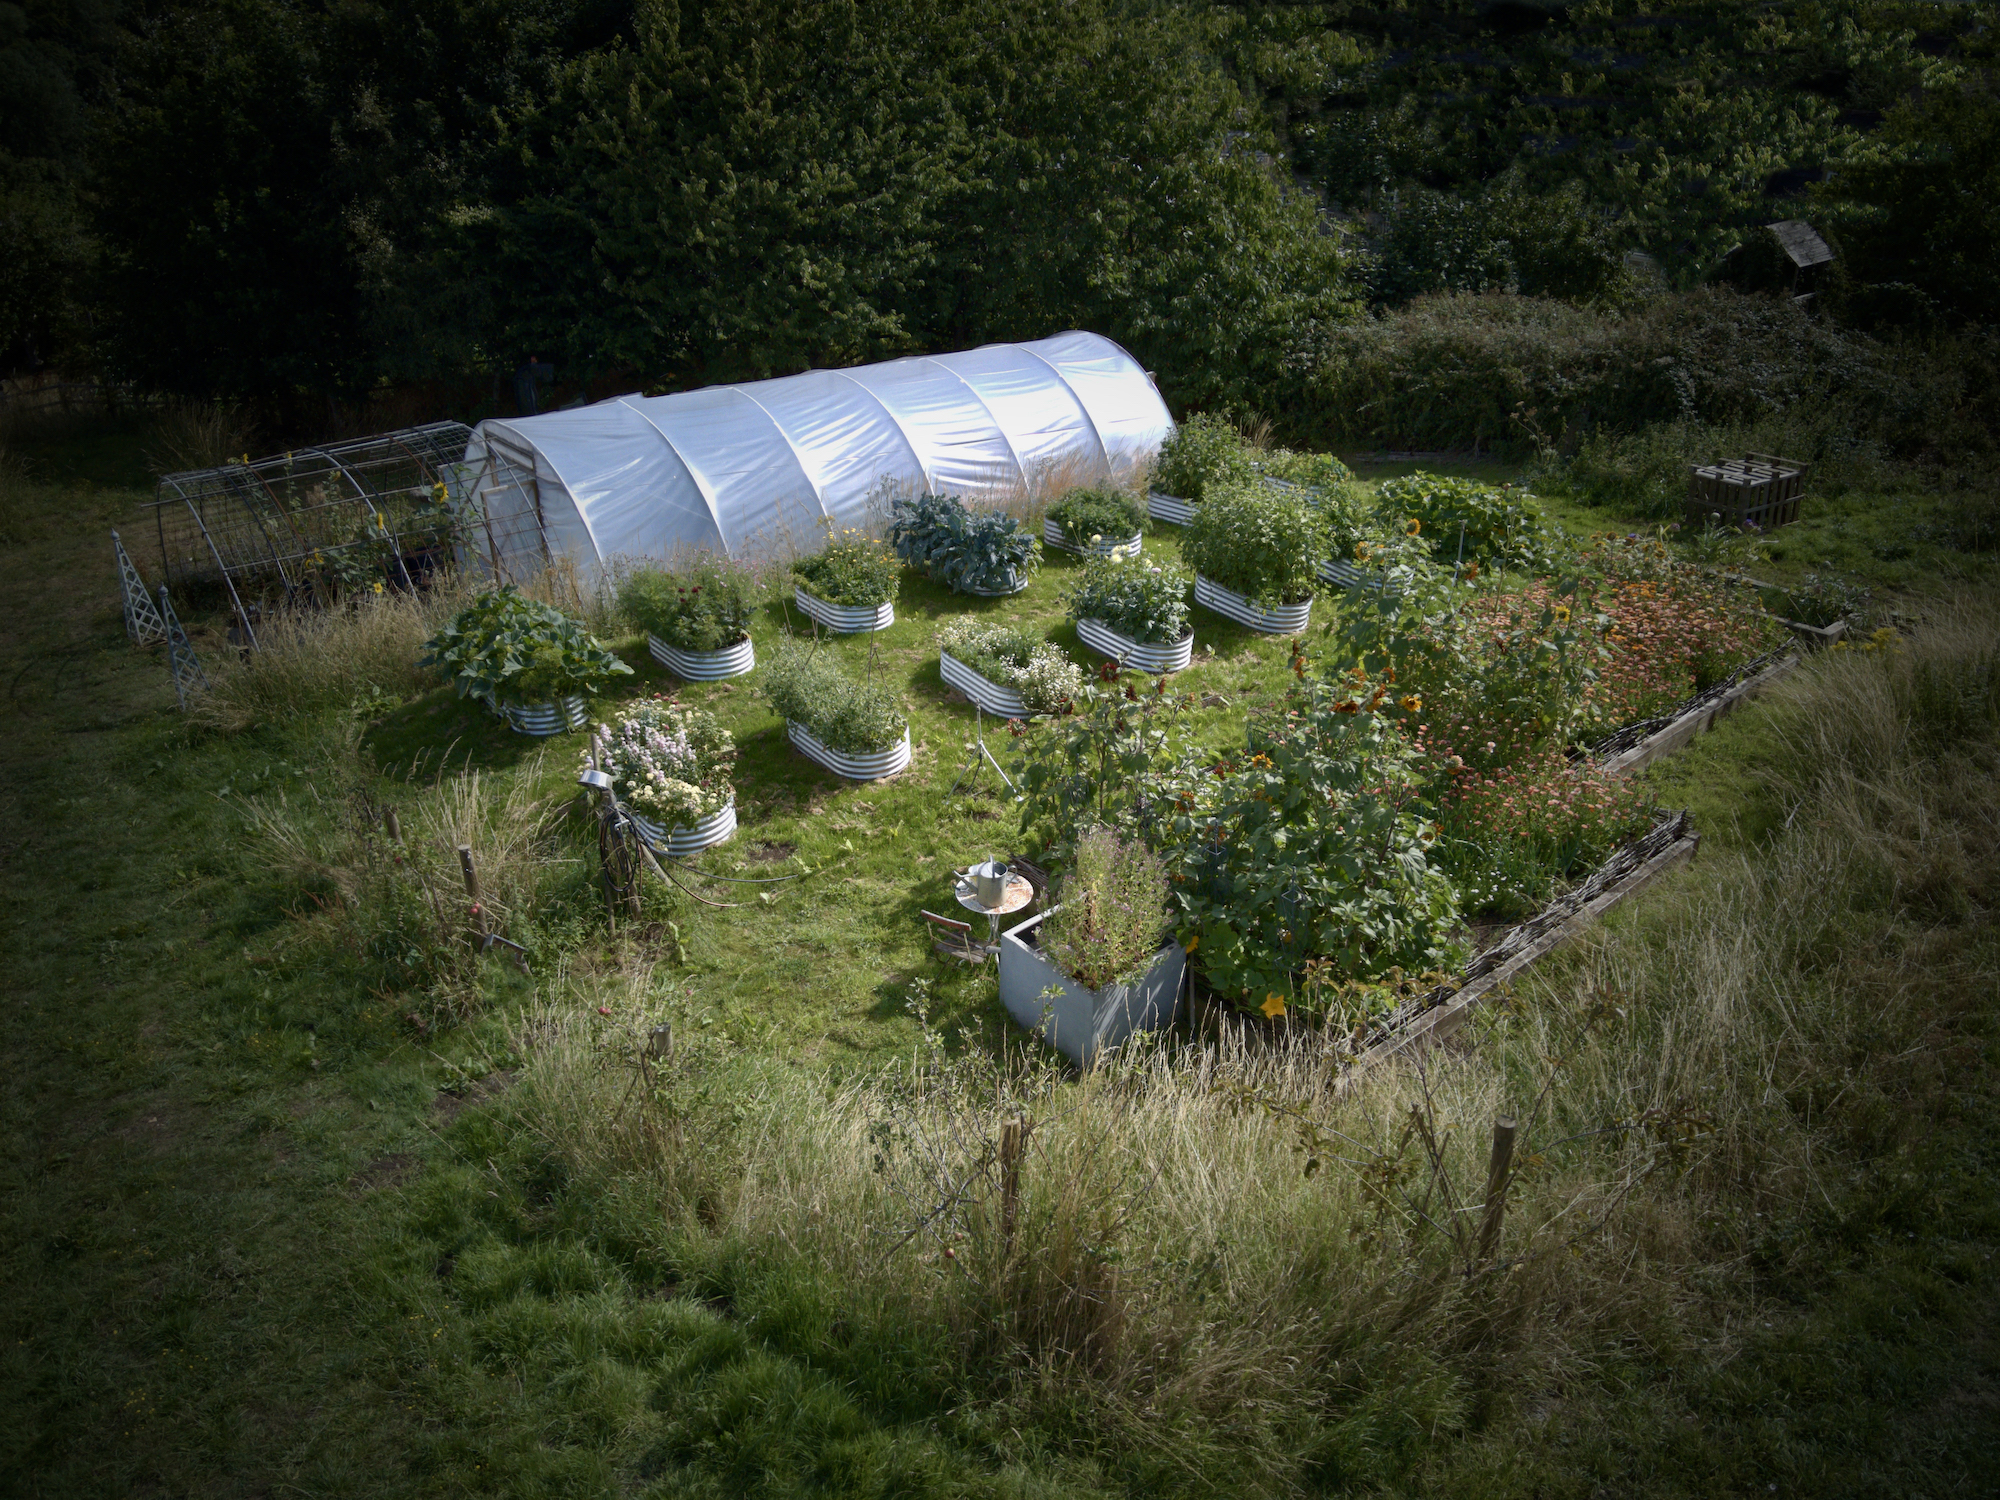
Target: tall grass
x=188, y=435
x=1223, y=1271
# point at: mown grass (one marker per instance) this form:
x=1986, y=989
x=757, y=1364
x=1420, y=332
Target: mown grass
x=264, y=1234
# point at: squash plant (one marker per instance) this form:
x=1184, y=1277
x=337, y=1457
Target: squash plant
x=505, y=648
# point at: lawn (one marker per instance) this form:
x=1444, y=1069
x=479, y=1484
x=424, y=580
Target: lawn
x=271, y=1226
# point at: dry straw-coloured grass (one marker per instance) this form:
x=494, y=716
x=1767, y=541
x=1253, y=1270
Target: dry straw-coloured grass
x=1219, y=1252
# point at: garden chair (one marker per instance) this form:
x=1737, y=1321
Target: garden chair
x=954, y=939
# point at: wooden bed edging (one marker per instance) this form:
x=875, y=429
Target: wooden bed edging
x=1697, y=720
x=1440, y=1021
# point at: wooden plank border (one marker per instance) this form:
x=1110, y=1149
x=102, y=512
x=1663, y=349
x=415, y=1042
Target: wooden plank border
x=1698, y=720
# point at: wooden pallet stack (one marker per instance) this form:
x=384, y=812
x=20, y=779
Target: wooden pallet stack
x=1759, y=490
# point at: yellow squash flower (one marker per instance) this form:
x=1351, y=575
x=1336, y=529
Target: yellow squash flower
x=1273, y=1006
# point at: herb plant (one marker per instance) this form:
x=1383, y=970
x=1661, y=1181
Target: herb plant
x=809, y=689
x=1016, y=658
x=1203, y=451
x=853, y=571
x=1264, y=546
x=509, y=649
x=668, y=763
x=702, y=604
x=1111, y=913
x=1083, y=516
x=968, y=551
x=1143, y=601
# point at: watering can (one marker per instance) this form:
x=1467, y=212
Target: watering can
x=989, y=882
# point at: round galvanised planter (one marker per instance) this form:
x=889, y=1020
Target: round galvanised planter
x=846, y=619
x=1286, y=619
x=872, y=766
x=703, y=666
x=545, y=718
x=988, y=694
x=1104, y=546
x=682, y=840
x=1147, y=657
x=1167, y=508
x=1021, y=584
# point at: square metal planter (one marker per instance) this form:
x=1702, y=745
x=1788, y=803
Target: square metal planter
x=1083, y=1023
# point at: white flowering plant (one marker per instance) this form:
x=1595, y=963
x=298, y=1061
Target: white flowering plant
x=667, y=763
x=1012, y=657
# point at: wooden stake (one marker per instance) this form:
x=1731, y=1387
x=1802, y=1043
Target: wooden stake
x=472, y=894
x=392, y=825
x=1496, y=1186
x=1012, y=1133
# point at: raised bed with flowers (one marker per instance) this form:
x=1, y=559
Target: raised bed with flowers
x=854, y=729
x=1135, y=612
x=1255, y=554
x=529, y=662
x=1095, y=523
x=1006, y=670
x=670, y=770
x=982, y=552
x=1429, y=768
x=850, y=585
x=696, y=615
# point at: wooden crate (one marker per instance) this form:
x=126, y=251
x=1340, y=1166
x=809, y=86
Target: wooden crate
x=1760, y=490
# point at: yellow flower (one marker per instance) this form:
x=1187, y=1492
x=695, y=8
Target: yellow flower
x=1273, y=1006
x=1415, y=526
x=1193, y=942
x=378, y=585
x=1562, y=614
x=1411, y=703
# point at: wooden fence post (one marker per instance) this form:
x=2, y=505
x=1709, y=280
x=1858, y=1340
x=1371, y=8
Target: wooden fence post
x=472, y=895
x=1012, y=1132
x=1496, y=1186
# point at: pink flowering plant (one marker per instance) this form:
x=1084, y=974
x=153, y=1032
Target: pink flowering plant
x=667, y=763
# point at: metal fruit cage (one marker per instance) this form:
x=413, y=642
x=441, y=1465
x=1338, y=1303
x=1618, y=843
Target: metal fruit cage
x=314, y=525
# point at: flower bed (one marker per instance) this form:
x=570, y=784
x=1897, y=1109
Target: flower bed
x=681, y=840
x=1134, y=611
x=1004, y=669
x=872, y=766
x=1096, y=523
x=1171, y=508
x=1098, y=546
x=670, y=770
x=696, y=616
x=850, y=586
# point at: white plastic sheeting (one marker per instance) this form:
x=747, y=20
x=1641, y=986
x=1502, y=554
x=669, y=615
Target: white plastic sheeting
x=757, y=469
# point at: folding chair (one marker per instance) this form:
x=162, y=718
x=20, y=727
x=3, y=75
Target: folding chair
x=954, y=939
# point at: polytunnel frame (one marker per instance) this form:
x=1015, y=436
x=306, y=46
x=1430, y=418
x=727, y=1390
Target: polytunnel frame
x=604, y=514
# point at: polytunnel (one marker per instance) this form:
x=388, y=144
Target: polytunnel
x=759, y=469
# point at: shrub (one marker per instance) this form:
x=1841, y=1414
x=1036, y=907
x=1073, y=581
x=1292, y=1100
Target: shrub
x=1202, y=451
x=968, y=551
x=509, y=649
x=853, y=571
x=702, y=604
x=1318, y=471
x=1112, y=911
x=1309, y=856
x=1085, y=515
x=1502, y=526
x=1016, y=658
x=809, y=689
x=668, y=763
x=1141, y=600
x=1263, y=546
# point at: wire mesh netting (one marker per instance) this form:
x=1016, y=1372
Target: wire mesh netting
x=368, y=515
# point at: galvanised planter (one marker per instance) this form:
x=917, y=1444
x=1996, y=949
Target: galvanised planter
x=872, y=766
x=1286, y=619
x=543, y=719
x=1104, y=546
x=1101, y=638
x=1167, y=508
x=845, y=619
x=1003, y=702
x=682, y=840
x=1083, y=1024
x=703, y=666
